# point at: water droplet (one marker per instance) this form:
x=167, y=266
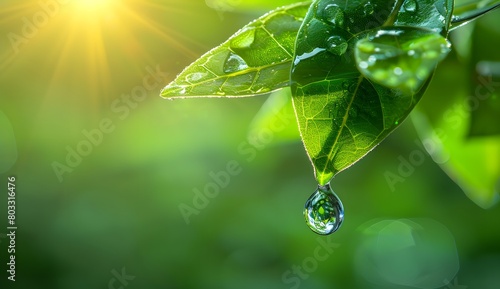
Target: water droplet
x=336, y=45
x=323, y=211
x=398, y=70
x=334, y=14
x=234, y=63
x=368, y=9
x=195, y=77
x=396, y=122
x=307, y=55
x=244, y=40
x=410, y=5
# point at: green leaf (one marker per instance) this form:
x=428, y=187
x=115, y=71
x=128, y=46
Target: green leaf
x=400, y=57
x=343, y=113
x=275, y=120
x=484, y=91
x=471, y=162
x=255, y=60
x=464, y=14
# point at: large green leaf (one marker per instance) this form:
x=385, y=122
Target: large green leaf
x=255, y=60
x=343, y=105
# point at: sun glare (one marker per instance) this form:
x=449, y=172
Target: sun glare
x=94, y=5
x=89, y=41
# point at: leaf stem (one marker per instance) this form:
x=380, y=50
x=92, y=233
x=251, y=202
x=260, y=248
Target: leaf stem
x=392, y=17
x=472, y=11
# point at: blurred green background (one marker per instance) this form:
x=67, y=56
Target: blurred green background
x=71, y=69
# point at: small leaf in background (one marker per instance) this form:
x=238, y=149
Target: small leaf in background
x=485, y=63
x=473, y=163
x=464, y=13
x=342, y=114
x=255, y=60
x=275, y=118
x=400, y=57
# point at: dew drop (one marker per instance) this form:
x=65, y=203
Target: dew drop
x=234, y=63
x=334, y=14
x=368, y=9
x=323, y=211
x=195, y=77
x=410, y=5
x=336, y=45
x=307, y=55
x=398, y=71
x=244, y=40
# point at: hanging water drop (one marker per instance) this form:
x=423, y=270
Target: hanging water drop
x=410, y=5
x=234, y=63
x=323, y=211
x=336, y=45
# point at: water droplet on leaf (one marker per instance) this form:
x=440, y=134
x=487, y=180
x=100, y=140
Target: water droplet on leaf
x=307, y=55
x=234, y=63
x=195, y=77
x=368, y=9
x=323, y=211
x=410, y=5
x=334, y=14
x=245, y=40
x=336, y=45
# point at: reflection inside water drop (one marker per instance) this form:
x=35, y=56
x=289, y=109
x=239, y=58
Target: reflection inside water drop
x=333, y=13
x=410, y=5
x=368, y=9
x=336, y=45
x=234, y=63
x=323, y=211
